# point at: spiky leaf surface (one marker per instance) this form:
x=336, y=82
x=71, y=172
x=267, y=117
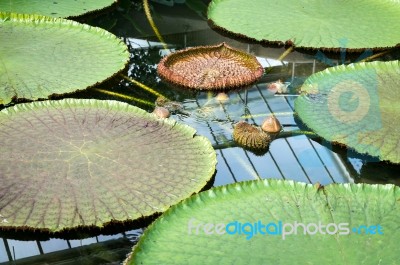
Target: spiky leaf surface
x=355, y=105
x=354, y=25
x=41, y=56
x=71, y=163
x=215, y=67
x=167, y=240
x=53, y=8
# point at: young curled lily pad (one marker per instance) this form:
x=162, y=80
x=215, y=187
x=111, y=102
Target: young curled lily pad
x=218, y=67
x=277, y=222
x=73, y=164
x=54, y=8
x=331, y=25
x=251, y=137
x=42, y=56
x=355, y=105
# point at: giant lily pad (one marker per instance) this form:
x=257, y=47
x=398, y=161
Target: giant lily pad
x=42, y=56
x=216, y=67
x=53, y=8
x=85, y=163
x=354, y=25
x=355, y=105
x=194, y=231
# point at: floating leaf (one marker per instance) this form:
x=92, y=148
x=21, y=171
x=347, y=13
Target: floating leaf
x=85, y=163
x=54, y=8
x=355, y=105
x=354, y=25
x=218, y=67
x=183, y=234
x=42, y=56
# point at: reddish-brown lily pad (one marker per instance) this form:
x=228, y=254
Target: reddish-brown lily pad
x=218, y=67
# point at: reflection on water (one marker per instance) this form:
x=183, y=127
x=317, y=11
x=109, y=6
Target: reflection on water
x=102, y=249
x=297, y=156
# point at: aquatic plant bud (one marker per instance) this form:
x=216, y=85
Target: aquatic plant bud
x=222, y=97
x=161, y=112
x=251, y=137
x=272, y=126
x=278, y=87
x=161, y=101
x=168, y=104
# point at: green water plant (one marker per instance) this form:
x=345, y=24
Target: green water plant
x=84, y=164
x=254, y=223
x=315, y=24
x=42, y=56
x=355, y=105
x=54, y=8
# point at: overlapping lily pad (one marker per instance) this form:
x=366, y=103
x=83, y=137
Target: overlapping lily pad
x=42, y=56
x=353, y=25
x=194, y=231
x=54, y=8
x=85, y=163
x=355, y=105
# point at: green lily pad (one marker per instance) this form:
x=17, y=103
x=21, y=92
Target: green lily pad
x=73, y=164
x=54, y=8
x=42, y=56
x=355, y=105
x=353, y=25
x=184, y=234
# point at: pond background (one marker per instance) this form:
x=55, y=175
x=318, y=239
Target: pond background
x=303, y=157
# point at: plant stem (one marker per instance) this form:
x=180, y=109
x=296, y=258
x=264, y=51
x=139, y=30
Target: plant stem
x=115, y=94
x=152, y=24
x=369, y=58
x=284, y=134
x=285, y=53
x=148, y=89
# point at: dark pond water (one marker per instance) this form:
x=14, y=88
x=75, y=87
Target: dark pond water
x=299, y=156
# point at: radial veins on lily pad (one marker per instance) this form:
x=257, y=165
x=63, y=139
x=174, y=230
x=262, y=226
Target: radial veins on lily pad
x=54, y=8
x=354, y=25
x=42, y=56
x=215, y=67
x=356, y=105
x=85, y=163
x=243, y=223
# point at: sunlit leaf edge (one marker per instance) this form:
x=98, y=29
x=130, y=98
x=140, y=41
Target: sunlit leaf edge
x=246, y=188
x=36, y=19
x=113, y=226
